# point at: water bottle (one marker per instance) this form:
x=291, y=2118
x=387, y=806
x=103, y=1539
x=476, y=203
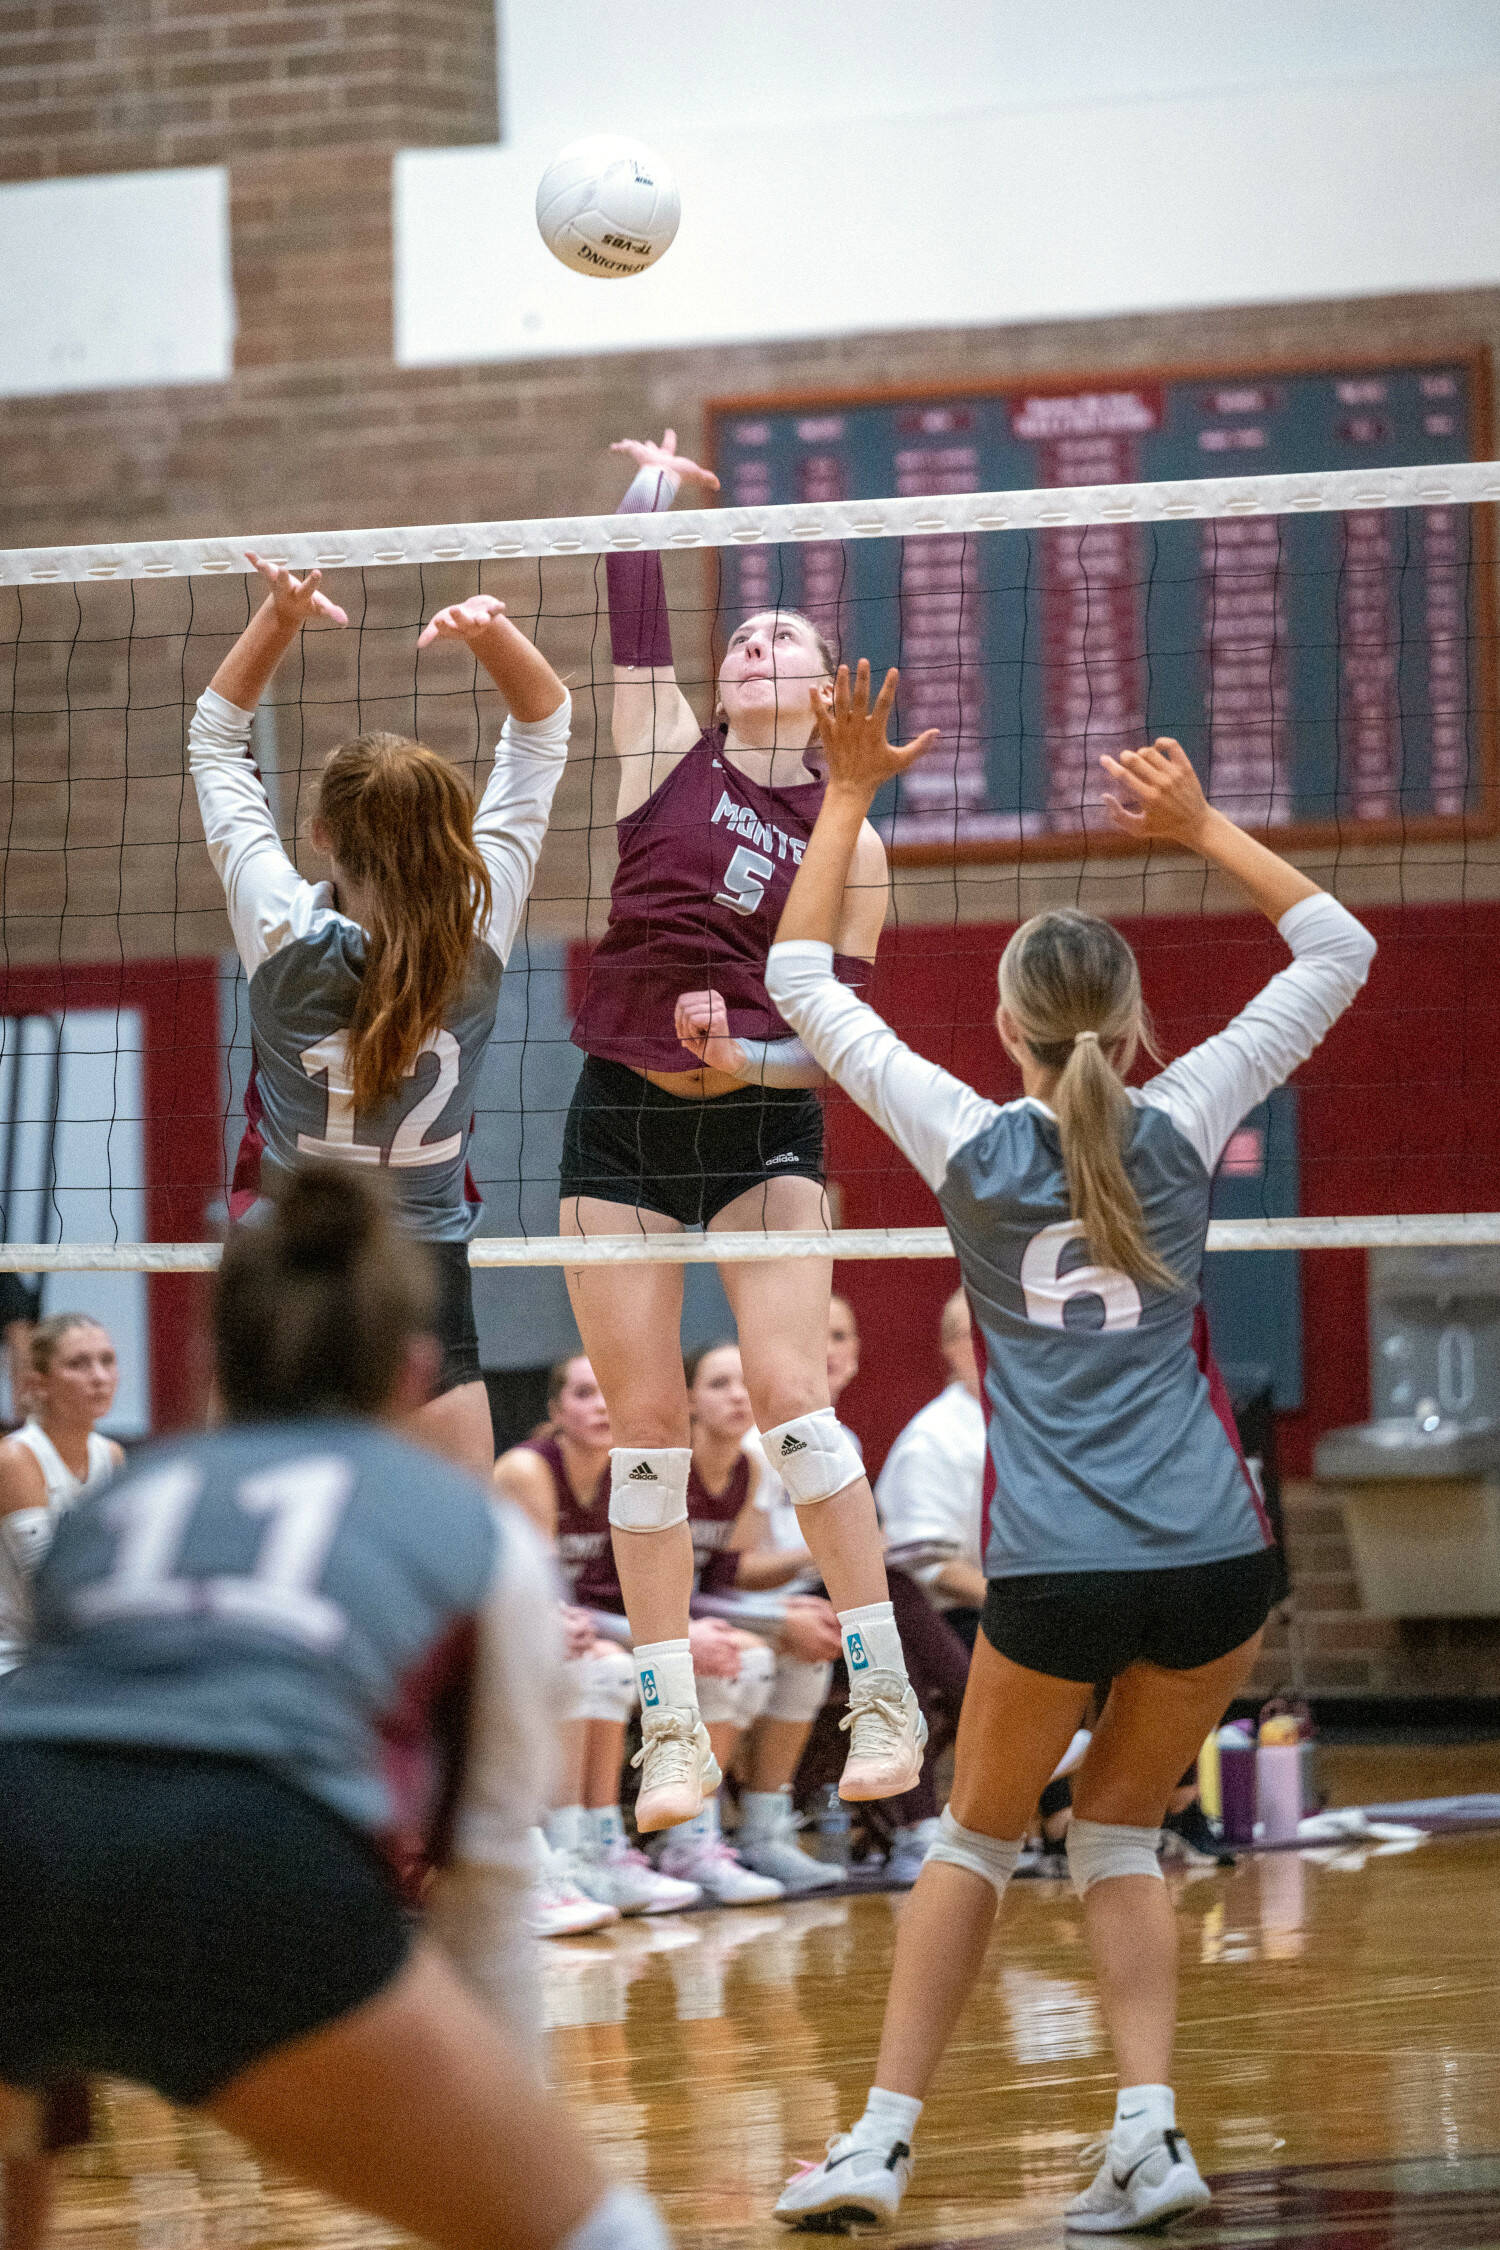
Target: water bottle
x=831, y=1826
x=1237, y=1784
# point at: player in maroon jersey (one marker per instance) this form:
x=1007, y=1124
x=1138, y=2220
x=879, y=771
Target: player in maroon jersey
x=695, y=1109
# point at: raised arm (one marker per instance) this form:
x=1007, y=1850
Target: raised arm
x=652, y=724
x=262, y=888
x=1208, y=1091
x=927, y=1112
x=702, y=1020
x=511, y=822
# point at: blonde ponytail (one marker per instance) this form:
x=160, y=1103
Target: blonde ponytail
x=401, y=823
x=1073, y=986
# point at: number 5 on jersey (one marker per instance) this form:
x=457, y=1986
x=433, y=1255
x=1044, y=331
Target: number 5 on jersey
x=330, y=1059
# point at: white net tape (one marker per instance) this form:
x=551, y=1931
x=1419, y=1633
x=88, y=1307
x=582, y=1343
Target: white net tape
x=1046, y=508
x=1450, y=1231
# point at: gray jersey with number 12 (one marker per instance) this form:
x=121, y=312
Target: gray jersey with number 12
x=305, y=960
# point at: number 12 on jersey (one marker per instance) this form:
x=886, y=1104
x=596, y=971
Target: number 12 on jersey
x=329, y=1059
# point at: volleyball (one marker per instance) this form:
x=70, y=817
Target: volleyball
x=607, y=206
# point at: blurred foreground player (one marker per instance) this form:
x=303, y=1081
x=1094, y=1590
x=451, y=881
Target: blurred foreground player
x=270, y=1664
x=1125, y=1537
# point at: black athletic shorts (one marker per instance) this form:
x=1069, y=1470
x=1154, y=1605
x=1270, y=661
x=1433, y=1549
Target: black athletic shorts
x=172, y=1918
x=454, y=1321
x=628, y=1141
x=1091, y=1624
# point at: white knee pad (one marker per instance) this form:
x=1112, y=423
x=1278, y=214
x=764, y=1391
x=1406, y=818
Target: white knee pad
x=648, y=1486
x=604, y=1685
x=756, y=1681
x=991, y=1858
x=814, y=1456
x=1098, y=1851
x=718, y=1700
x=799, y=1691
x=738, y=1702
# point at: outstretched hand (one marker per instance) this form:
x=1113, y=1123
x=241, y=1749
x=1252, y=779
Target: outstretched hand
x=666, y=456
x=461, y=621
x=854, y=734
x=295, y=600
x=1166, y=798
x=702, y=1024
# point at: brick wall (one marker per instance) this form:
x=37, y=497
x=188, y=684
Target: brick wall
x=318, y=429
x=126, y=85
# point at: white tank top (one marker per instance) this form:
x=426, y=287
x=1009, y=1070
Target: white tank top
x=26, y=1535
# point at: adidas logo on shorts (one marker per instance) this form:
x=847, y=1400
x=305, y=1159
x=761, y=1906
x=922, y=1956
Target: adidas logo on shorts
x=643, y=1473
x=787, y=1156
x=790, y=1445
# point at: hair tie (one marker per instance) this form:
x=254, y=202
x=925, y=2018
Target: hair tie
x=1081, y=1035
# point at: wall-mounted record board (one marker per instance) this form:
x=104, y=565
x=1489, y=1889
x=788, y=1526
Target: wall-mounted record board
x=1329, y=674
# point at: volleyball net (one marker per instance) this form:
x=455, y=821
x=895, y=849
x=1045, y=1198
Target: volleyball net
x=1323, y=645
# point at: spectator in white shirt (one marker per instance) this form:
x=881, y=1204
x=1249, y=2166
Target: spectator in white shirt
x=930, y=1492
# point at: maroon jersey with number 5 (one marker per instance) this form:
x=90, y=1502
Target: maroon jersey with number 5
x=705, y=867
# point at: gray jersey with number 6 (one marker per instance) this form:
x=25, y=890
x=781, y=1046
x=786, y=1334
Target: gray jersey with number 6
x=322, y=1599
x=305, y=960
x=1106, y=1451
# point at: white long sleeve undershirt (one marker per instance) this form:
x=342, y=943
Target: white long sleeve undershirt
x=930, y=1114
x=269, y=902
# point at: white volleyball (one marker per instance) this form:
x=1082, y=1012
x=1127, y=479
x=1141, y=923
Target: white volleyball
x=607, y=206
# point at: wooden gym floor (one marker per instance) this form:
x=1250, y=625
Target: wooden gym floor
x=1338, y=2065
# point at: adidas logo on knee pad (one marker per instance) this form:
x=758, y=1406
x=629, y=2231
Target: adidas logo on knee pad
x=643, y=1473
x=790, y=1444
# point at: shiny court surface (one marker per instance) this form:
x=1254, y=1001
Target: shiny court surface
x=1338, y=2073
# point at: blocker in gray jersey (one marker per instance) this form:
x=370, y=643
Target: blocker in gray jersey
x=1106, y=1452
x=305, y=960
x=321, y=1599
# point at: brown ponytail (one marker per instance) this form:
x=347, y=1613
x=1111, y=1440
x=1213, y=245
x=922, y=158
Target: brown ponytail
x=1073, y=986
x=401, y=824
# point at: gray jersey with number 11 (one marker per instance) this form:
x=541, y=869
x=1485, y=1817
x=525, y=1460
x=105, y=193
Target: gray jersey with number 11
x=319, y=1598
x=305, y=960
x=1105, y=1447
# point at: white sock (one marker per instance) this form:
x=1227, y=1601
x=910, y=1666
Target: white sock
x=762, y=1811
x=871, y=1641
x=565, y=1832
x=889, y=2117
x=665, y=1672
x=703, y=1828
x=1141, y=2110
x=622, y=2219
x=603, y=1828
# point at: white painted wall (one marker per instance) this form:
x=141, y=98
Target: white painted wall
x=115, y=281
x=844, y=171
x=99, y=1165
